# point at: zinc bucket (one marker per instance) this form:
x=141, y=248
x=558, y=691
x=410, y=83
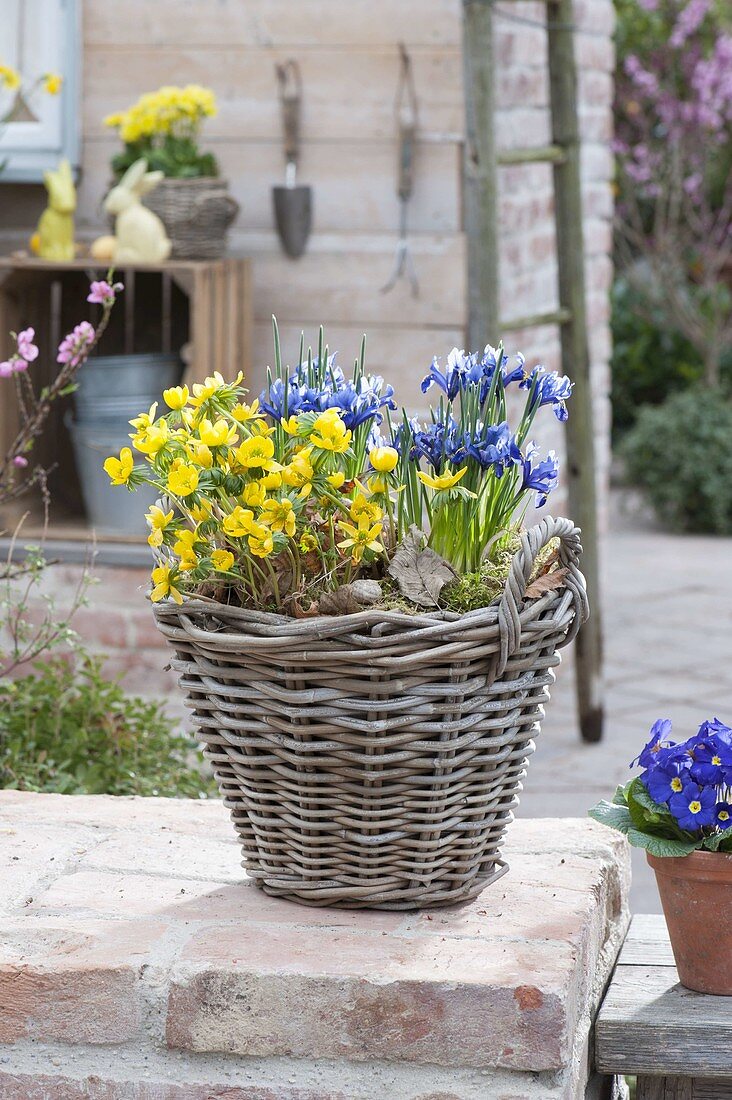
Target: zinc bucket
x=111, y=509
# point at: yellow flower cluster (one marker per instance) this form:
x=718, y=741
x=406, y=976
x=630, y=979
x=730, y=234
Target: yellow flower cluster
x=270, y=510
x=169, y=110
x=9, y=77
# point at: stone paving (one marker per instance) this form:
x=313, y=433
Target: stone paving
x=668, y=619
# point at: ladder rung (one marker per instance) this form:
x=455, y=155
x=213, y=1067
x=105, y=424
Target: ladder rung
x=543, y=154
x=554, y=317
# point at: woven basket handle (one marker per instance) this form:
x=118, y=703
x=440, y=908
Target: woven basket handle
x=532, y=542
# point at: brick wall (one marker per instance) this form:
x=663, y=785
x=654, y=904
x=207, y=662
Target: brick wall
x=139, y=964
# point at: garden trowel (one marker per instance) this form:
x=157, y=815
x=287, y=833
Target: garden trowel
x=293, y=202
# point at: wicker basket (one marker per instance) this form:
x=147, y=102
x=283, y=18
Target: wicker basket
x=374, y=760
x=196, y=213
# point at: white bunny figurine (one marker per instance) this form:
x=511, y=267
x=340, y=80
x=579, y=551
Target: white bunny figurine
x=140, y=235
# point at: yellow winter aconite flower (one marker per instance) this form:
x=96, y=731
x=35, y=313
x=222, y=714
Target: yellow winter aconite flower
x=239, y=523
x=183, y=547
x=444, y=481
x=271, y=480
x=144, y=420
x=376, y=485
x=308, y=542
x=120, y=469
x=200, y=453
x=254, y=494
x=202, y=391
x=244, y=412
x=52, y=83
x=257, y=453
x=383, y=459
x=261, y=542
x=216, y=435
x=290, y=425
x=363, y=509
x=176, y=397
x=336, y=480
x=163, y=578
x=182, y=480
x=330, y=433
x=279, y=515
x=222, y=560
x=157, y=520
x=150, y=440
x=361, y=538
x=200, y=512
x=299, y=473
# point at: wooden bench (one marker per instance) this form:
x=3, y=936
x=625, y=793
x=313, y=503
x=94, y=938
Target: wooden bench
x=678, y=1043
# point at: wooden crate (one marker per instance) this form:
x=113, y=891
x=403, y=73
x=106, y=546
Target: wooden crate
x=202, y=308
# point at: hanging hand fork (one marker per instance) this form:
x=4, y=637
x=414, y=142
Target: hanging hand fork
x=406, y=109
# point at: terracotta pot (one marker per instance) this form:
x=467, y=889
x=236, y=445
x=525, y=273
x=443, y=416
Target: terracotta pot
x=696, y=894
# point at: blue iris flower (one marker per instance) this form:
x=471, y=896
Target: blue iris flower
x=356, y=403
x=458, y=365
x=658, y=739
x=439, y=443
x=542, y=477
x=548, y=388
x=694, y=807
x=494, y=445
x=463, y=369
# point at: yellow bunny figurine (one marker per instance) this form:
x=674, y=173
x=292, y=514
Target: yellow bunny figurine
x=54, y=239
x=140, y=235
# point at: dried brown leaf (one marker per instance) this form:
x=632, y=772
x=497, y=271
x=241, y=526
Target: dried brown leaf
x=419, y=571
x=547, y=582
x=350, y=598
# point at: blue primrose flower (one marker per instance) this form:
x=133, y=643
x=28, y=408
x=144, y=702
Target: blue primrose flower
x=657, y=741
x=541, y=477
x=714, y=727
x=712, y=760
x=494, y=446
x=666, y=779
x=694, y=807
x=548, y=388
x=723, y=815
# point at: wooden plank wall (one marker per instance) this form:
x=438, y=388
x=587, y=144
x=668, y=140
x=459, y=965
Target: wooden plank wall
x=348, y=53
x=349, y=60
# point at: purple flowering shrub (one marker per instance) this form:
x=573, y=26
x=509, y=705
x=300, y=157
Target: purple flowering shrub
x=682, y=800
x=24, y=636
x=71, y=354
x=673, y=113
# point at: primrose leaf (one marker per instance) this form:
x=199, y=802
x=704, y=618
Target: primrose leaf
x=662, y=846
x=613, y=815
x=419, y=571
x=714, y=843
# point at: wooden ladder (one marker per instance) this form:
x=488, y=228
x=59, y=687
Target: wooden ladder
x=481, y=167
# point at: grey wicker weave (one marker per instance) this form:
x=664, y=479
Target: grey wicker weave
x=374, y=760
x=196, y=214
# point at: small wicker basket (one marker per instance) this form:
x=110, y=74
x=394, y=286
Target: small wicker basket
x=196, y=213
x=374, y=760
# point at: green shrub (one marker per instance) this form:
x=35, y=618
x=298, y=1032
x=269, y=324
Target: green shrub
x=649, y=360
x=680, y=454
x=67, y=729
